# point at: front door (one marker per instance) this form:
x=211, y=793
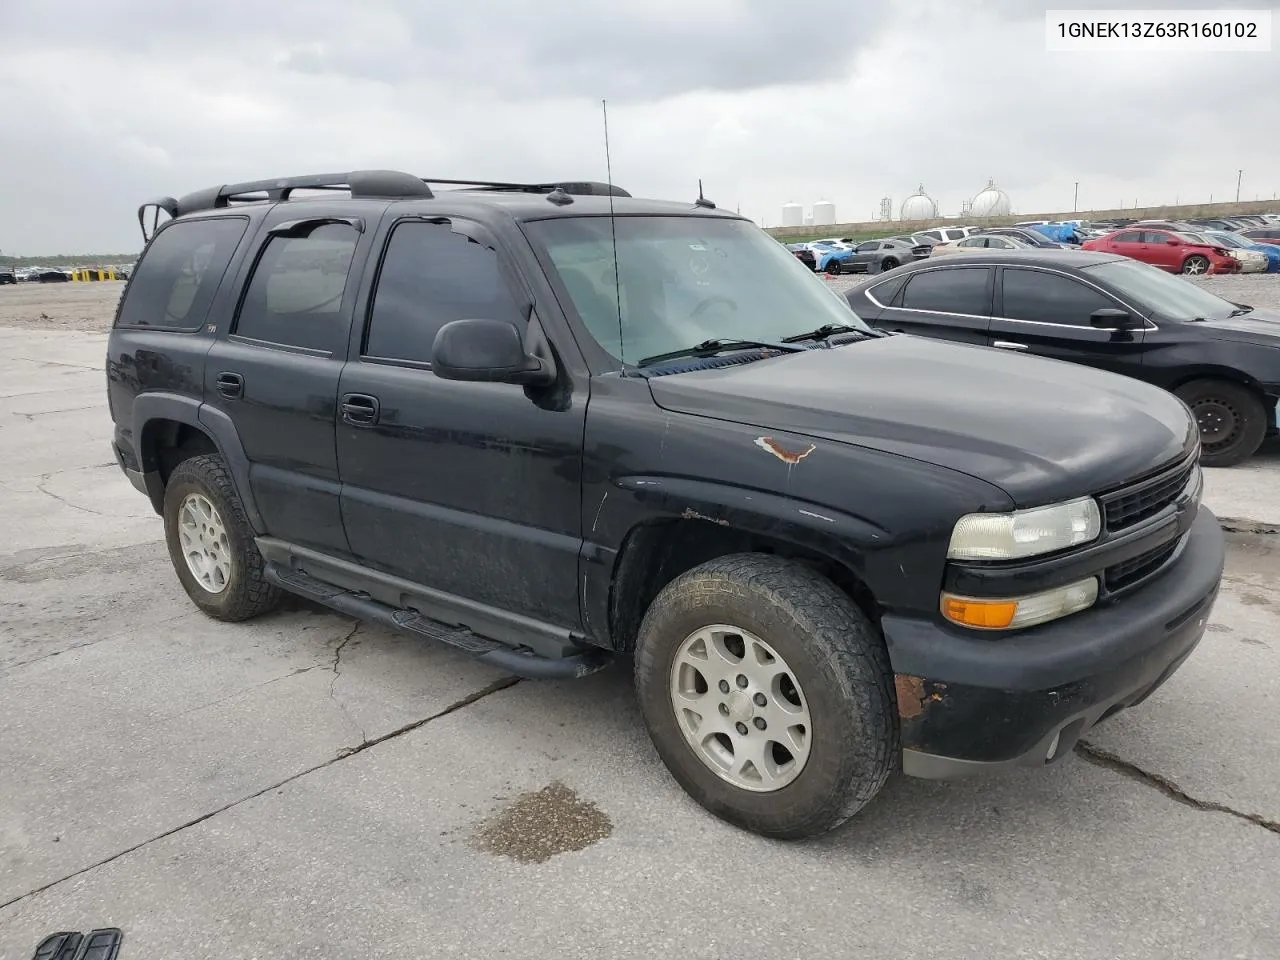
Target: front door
x=944, y=302
x=1048, y=314
x=471, y=489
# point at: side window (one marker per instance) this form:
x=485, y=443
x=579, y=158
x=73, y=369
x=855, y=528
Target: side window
x=1155, y=236
x=884, y=293
x=960, y=290
x=1049, y=298
x=956, y=234
x=174, y=283
x=295, y=295
x=973, y=242
x=999, y=243
x=430, y=276
x=935, y=234
x=1129, y=236
x=869, y=246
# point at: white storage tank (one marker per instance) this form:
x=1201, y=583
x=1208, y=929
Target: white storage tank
x=824, y=211
x=919, y=206
x=991, y=202
x=792, y=215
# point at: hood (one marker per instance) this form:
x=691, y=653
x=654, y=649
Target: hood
x=1261, y=327
x=1042, y=430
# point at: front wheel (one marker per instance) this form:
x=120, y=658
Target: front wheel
x=1195, y=266
x=211, y=543
x=1232, y=420
x=768, y=695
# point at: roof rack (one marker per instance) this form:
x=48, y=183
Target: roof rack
x=362, y=184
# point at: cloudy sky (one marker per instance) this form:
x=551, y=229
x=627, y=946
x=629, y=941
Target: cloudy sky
x=107, y=103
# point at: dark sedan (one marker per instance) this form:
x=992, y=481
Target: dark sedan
x=1221, y=358
x=804, y=255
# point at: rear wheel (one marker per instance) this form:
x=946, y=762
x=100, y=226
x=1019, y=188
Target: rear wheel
x=833, y=268
x=768, y=695
x=211, y=543
x=888, y=264
x=1194, y=266
x=1231, y=419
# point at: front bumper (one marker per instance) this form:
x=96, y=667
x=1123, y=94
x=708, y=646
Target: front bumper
x=972, y=703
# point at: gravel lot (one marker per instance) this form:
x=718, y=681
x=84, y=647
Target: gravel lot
x=305, y=785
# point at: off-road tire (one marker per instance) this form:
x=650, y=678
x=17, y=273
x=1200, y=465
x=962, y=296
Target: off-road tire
x=1250, y=419
x=247, y=593
x=838, y=659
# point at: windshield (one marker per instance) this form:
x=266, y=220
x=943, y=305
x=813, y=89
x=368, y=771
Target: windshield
x=1164, y=293
x=684, y=280
x=1225, y=240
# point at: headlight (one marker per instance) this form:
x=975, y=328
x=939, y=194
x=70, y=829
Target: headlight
x=1025, y=533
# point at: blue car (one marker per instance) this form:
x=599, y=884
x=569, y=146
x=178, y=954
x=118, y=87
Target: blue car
x=830, y=257
x=1234, y=240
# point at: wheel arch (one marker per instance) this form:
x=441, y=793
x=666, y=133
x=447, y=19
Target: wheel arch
x=170, y=428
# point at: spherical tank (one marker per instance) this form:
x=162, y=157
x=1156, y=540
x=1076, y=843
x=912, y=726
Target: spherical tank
x=991, y=202
x=792, y=215
x=824, y=211
x=918, y=206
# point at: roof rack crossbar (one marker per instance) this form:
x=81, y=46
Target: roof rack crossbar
x=581, y=188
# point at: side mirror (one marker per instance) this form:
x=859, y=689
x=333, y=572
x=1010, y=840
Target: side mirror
x=486, y=351
x=1111, y=318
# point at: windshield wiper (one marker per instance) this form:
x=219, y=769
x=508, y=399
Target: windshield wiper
x=1241, y=310
x=824, y=332
x=709, y=348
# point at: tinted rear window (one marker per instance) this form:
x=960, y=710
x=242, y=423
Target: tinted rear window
x=174, y=282
x=960, y=290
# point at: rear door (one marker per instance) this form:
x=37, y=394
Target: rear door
x=1127, y=243
x=1158, y=251
x=1049, y=314
x=275, y=374
x=943, y=302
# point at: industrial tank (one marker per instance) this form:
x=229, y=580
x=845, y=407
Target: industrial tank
x=918, y=206
x=824, y=211
x=991, y=202
x=792, y=215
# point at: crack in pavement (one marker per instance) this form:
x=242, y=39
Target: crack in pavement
x=45, y=478
x=242, y=691
x=1111, y=761
x=502, y=683
x=5, y=670
x=59, y=363
x=337, y=672
x=31, y=417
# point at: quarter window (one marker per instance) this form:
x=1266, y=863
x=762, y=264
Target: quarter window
x=174, y=283
x=1129, y=236
x=1049, y=298
x=295, y=295
x=958, y=290
x=431, y=275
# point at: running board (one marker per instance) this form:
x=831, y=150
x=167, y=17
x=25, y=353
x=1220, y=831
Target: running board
x=363, y=607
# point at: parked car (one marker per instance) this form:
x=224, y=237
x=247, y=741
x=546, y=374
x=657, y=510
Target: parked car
x=8, y=275
x=1221, y=358
x=830, y=258
x=546, y=426
x=1029, y=236
x=1268, y=235
x=801, y=252
x=946, y=234
x=1168, y=250
x=52, y=275
x=980, y=242
x=1252, y=256
x=877, y=256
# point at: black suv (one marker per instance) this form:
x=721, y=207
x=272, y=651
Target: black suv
x=1106, y=311
x=551, y=424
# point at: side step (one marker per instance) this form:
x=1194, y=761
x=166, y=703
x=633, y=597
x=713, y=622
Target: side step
x=363, y=607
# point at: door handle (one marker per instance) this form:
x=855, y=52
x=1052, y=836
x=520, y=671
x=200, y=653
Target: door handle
x=360, y=408
x=230, y=385
x=1008, y=345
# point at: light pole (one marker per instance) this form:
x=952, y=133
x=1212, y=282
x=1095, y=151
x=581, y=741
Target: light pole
x=1075, y=203
x=1239, y=177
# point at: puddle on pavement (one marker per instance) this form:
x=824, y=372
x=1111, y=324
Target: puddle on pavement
x=537, y=826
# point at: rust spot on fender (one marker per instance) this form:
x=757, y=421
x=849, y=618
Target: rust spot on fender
x=911, y=695
x=692, y=514
x=781, y=452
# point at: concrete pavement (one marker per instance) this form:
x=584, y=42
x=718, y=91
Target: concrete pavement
x=304, y=785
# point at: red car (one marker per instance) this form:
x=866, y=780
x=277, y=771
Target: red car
x=1175, y=252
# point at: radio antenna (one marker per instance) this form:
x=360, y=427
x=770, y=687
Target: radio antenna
x=613, y=230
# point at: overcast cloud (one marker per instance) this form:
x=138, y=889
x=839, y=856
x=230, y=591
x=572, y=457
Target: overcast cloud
x=108, y=103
